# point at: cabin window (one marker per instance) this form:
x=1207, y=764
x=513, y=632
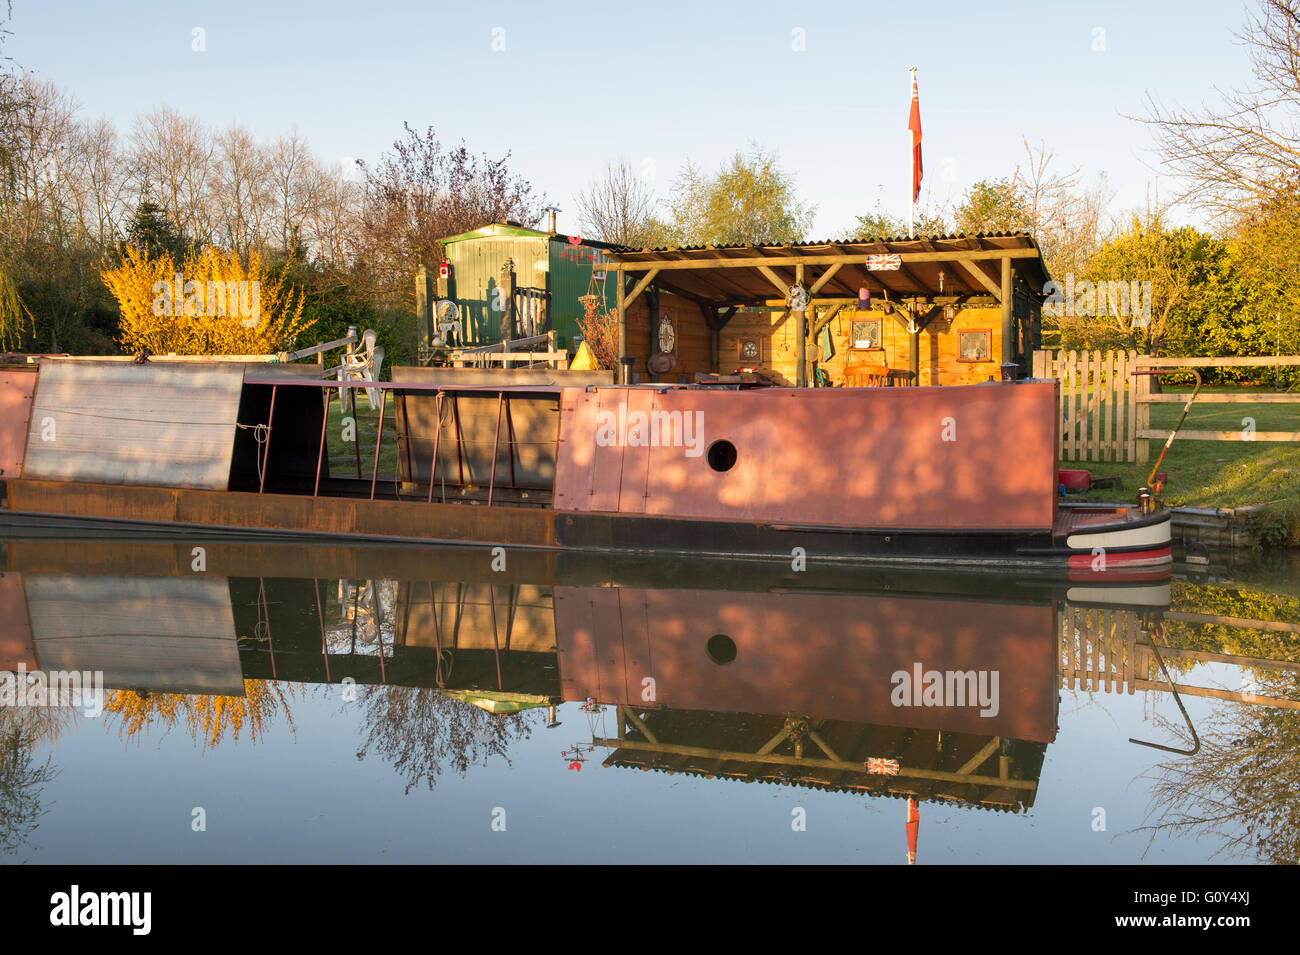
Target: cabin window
x=975, y=345
x=866, y=334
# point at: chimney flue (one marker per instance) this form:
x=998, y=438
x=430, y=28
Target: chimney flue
x=550, y=219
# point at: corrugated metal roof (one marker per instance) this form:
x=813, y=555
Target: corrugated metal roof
x=819, y=243
x=512, y=228
x=930, y=268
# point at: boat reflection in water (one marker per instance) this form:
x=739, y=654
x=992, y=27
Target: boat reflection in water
x=922, y=687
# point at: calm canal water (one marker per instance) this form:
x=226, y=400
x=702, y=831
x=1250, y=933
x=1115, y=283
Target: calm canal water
x=291, y=704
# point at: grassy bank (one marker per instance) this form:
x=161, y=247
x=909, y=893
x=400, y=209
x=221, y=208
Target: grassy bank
x=1221, y=473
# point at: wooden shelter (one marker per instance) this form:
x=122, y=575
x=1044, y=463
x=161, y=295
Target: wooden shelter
x=944, y=310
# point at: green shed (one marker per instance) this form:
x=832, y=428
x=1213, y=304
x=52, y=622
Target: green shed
x=511, y=281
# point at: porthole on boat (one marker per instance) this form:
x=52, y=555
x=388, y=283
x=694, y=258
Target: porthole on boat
x=722, y=455
x=721, y=649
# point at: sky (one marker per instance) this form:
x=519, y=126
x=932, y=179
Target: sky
x=566, y=87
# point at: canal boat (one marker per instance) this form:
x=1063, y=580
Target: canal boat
x=950, y=476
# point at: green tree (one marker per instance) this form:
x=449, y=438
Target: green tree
x=879, y=224
x=152, y=232
x=993, y=205
x=1178, y=264
x=749, y=200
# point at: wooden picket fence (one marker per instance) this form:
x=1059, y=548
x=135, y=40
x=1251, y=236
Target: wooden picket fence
x=1102, y=410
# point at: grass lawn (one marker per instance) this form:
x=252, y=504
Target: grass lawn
x=1218, y=473
x=343, y=454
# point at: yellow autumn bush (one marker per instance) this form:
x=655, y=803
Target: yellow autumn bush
x=207, y=719
x=211, y=304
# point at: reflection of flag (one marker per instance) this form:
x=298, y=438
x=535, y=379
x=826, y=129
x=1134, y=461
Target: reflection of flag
x=882, y=767
x=913, y=829
x=914, y=124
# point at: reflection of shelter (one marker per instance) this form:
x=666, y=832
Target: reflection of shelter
x=984, y=771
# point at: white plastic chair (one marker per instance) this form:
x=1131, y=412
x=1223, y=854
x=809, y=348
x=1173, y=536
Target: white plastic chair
x=362, y=365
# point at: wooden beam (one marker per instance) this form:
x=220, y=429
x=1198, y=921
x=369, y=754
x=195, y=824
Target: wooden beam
x=781, y=286
x=1274, y=625
x=1283, y=436
x=640, y=287
x=978, y=759
x=824, y=278
x=636, y=721
x=983, y=278
x=826, y=319
x=1265, y=360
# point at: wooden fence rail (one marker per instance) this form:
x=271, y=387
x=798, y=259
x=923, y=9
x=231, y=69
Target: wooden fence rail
x=1106, y=409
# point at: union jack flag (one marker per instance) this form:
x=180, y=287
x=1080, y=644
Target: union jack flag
x=882, y=767
x=890, y=262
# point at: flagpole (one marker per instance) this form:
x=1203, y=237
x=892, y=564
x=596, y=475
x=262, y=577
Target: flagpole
x=911, y=197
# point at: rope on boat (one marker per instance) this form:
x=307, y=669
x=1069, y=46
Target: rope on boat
x=261, y=434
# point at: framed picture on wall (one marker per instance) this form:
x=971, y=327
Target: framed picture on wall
x=749, y=349
x=975, y=345
x=865, y=333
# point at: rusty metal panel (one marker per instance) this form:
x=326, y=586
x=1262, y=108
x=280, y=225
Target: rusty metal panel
x=170, y=634
x=634, y=488
x=977, y=457
x=16, y=644
x=575, y=450
x=533, y=418
x=166, y=424
x=16, y=388
x=404, y=520
x=822, y=656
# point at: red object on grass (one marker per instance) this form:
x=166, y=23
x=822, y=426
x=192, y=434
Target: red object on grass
x=1074, y=480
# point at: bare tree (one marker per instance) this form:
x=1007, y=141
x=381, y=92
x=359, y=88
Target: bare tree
x=333, y=218
x=422, y=192
x=1244, y=150
x=619, y=207
x=238, y=191
x=292, y=187
x=172, y=158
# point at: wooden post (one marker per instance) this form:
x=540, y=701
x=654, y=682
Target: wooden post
x=1131, y=383
x=1142, y=390
x=914, y=351
x=801, y=337
x=652, y=331
x=423, y=312
x=621, y=309
x=1008, y=320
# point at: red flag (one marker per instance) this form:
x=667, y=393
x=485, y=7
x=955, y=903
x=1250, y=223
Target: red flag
x=914, y=124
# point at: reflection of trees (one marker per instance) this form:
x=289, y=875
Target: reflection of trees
x=1243, y=787
x=22, y=777
x=207, y=719
x=418, y=730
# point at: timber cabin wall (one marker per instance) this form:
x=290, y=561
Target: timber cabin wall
x=693, y=336
x=940, y=363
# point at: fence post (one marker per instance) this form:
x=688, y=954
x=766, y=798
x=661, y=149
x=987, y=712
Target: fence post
x=1142, y=390
x=1071, y=412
